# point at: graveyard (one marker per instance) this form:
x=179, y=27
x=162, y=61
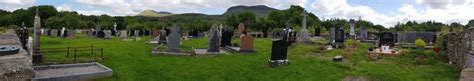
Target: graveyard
x=245, y=43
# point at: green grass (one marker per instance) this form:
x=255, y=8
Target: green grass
x=132, y=61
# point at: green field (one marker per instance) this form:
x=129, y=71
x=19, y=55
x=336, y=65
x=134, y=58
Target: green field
x=132, y=61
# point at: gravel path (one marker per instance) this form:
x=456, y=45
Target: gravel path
x=66, y=71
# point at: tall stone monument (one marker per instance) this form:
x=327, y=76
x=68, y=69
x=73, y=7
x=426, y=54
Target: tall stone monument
x=352, y=25
x=37, y=56
x=213, y=39
x=303, y=36
x=174, y=39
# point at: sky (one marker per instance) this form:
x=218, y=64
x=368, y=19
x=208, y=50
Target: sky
x=384, y=12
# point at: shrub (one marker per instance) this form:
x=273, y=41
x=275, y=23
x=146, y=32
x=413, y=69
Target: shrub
x=351, y=43
x=420, y=43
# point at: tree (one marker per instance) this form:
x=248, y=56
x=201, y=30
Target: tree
x=248, y=18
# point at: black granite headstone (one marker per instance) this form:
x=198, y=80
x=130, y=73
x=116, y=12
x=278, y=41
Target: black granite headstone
x=101, y=34
x=339, y=36
x=65, y=34
x=317, y=31
x=387, y=38
x=226, y=38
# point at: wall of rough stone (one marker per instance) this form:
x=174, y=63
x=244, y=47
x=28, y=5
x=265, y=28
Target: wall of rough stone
x=460, y=48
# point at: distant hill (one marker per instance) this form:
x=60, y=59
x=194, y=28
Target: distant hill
x=151, y=13
x=259, y=10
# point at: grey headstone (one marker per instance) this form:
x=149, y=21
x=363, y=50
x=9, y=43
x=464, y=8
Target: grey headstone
x=162, y=37
x=363, y=33
x=123, y=34
x=174, y=39
x=333, y=34
x=213, y=39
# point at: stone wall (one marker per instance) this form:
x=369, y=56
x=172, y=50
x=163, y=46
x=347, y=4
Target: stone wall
x=16, y=67
x=460, y=48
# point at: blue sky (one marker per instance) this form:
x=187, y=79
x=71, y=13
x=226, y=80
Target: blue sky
x=383, y=12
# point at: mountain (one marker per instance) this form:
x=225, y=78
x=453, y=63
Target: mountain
x=151, y=13
x=259, y=10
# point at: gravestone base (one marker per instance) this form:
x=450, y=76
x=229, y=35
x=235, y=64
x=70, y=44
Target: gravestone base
x=205, y=52
x=338, y=45
x=155, y=51
x=238, y=50
x=277, y=63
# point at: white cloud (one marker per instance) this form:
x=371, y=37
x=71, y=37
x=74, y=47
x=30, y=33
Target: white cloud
x=11, y=5
x=64, y=7
x=449, y=11
x=341, y=9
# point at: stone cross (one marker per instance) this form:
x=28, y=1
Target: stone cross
x=352, y=25
x=304, y=35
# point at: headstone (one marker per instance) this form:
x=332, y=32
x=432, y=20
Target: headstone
x=246, y=43
x=123, y=34
x=213, y=39
x=352, y=26
x=332, y=34
x=114, y=32
x=241, y=28
x=339, y=36
x=387, y=38
x=100, y=34
x=226, y=38
x=174, y=39
x=194, y=33
x=65, y=33
x=136, y=33
x=146, y=32
x=363, y=33
x=37, y=56
x=317, y=31
x=162, y=37
x=108, y=33
x=90, y=33
x=131, y=33
x=155, y=33
x=63, y=30
x=303, y=36
x=279, y=50
x=54, y=32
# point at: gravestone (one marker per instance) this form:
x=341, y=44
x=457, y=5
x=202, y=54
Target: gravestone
x=107, y=33
x=136, y=33
x=62, y=32
x=37, y=56
x=352, y=26
x=241, y=28
x=131, y=33
x=332, y=34
x=246, y=43
x=162, y=37
x=226, y=38
x=90, y=33
x=146, y=32
x=155, y=33
x=174, y=39
x=100, y=34
x=303, y=36
x=114, y=32
x=317, y=31
x=387, y=38
x=65, y=33
x=292, y=38
x=279, y=50
x=339, y=39
x=213, y=39
x=363, y=33
x=194, y=33
x=54, y=32
x=123, y=34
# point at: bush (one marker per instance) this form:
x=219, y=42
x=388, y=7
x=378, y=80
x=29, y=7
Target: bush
x=351, y=43
x=420, y=43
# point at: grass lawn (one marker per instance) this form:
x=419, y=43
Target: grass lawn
x=132, y=61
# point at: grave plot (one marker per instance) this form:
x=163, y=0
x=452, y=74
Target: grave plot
x=173, y=43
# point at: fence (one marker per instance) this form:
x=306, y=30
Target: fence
x=73, y=51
